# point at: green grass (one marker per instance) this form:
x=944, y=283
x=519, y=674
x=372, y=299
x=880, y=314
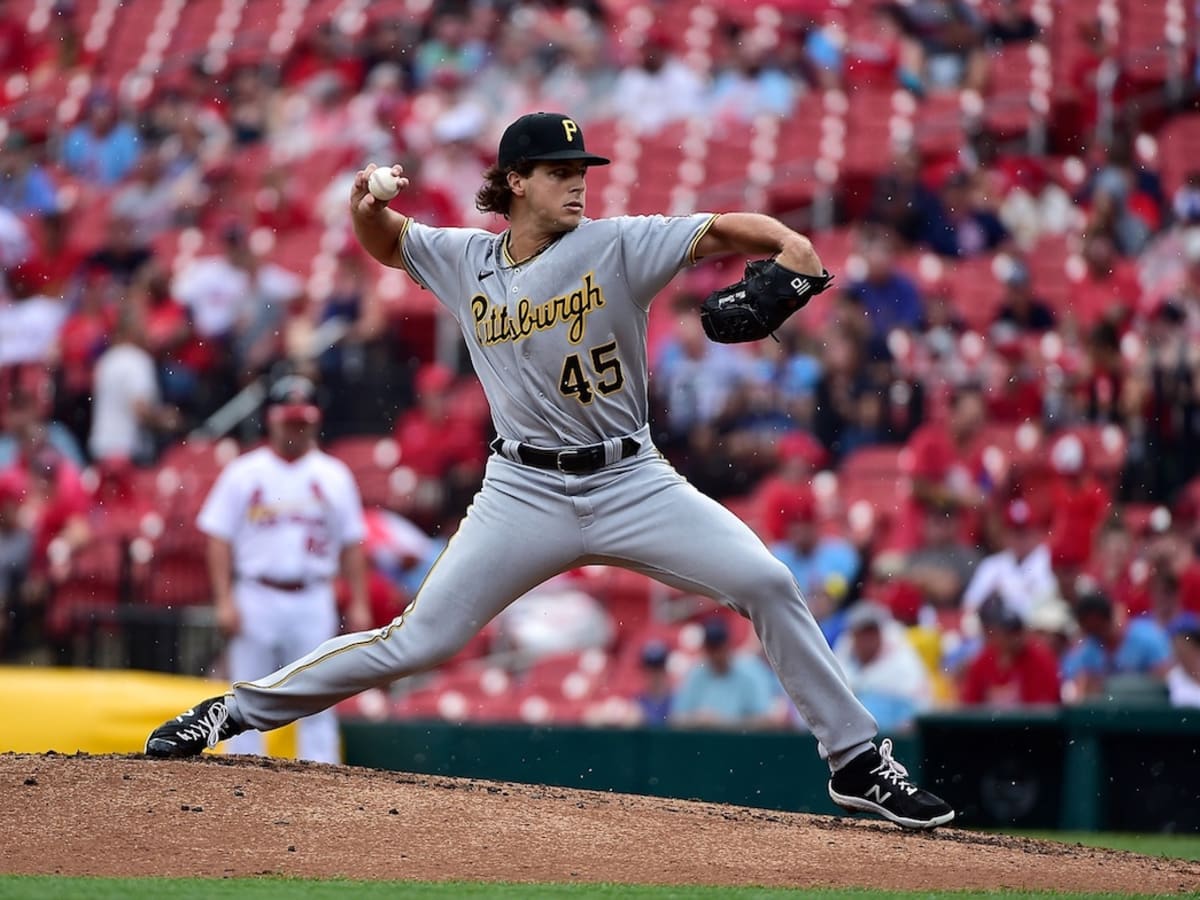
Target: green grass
x=30, y=887
x=1176, y=846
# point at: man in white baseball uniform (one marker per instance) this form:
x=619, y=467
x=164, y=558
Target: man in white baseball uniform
x=554, y=312
x=280, y=521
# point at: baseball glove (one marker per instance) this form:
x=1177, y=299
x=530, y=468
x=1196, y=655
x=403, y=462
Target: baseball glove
x=758, y=304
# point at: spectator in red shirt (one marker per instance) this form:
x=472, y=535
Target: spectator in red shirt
x=1104, y=392
x=116, y=507
x=1079, y=504
x=62, y=50
x=433, y=437
x=1117, y=569
x=386, y=600
x=1170, y=582
x=878, y=52
x=1108, y=289
x=1014, y=392
x=799, y=455
x=444, y=448
x=945, y=464
x=169, y=336
x=84, y=336
x=328, y=50
x=16, y=49
x=38, y=440
x=1092, y=72
x=58, y=508
x=1014, y=668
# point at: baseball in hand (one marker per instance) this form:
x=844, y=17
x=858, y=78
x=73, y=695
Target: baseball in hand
x=383, y=184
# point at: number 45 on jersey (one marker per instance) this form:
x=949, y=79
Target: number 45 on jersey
x=605, y=375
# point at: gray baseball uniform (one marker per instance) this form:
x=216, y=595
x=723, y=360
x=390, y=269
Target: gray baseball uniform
x=559, y=343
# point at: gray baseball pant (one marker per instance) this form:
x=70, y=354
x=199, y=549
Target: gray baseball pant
x=525, y=526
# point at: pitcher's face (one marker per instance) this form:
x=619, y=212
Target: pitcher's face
x=555, y=194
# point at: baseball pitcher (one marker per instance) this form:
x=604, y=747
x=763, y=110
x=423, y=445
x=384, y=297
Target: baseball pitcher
x=554, y=313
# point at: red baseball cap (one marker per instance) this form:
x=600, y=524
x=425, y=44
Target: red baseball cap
x=434, y=379
x=801, y=445
x=293, y=399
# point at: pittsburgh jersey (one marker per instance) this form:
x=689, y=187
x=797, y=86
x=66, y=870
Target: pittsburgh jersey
x=558, y=341
x=286, y=521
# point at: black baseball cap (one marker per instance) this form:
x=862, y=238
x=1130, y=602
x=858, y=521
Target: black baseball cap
x=716, y=633
x=544, y=136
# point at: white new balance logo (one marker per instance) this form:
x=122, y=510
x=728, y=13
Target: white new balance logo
x=874, y=792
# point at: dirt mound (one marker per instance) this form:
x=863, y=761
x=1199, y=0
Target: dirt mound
x=227, y=816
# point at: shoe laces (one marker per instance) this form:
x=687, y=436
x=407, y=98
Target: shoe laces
x=208, y=726
x=890, y=770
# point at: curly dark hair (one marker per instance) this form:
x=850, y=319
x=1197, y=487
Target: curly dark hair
x=496, y=196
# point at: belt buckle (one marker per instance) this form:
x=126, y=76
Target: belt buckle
x=568, y=455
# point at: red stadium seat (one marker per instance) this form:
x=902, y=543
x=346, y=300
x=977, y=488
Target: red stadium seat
x=372, y=460
x=940, y=125
x=1105, y=447
x=565, y=677
x=199, y=457
x=626, y=595
x=91, y=592
x=197, y=21
x=878, y=461
x=1179, y=147
x=1017, y=76
x=1154, y=40
x=178, y=570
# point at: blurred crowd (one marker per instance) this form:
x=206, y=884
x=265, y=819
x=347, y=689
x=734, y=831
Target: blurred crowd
x=978, y=455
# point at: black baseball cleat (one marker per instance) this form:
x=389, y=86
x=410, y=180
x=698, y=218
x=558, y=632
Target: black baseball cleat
x=204, y=725
x=874, y=782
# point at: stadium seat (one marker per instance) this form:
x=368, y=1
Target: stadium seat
x=91, y=592
x=1179, y=146
x=372, y=461
x=625, y=595
x=197, y=21
x=565, y=676
x=1105, y=446
x=940, y=125
x=198, y=458
x=178, y=570
x=878, y=461
x=1154, y=40
x=1017, y=92
x=974, y=290
x=1047, y=269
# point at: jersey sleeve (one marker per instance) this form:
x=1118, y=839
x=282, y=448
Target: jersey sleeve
x=437, y=258
x=655, y=248
x=219, y=515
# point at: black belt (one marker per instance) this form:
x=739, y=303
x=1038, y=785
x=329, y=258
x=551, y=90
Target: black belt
x=289, y=587
x=573, y=461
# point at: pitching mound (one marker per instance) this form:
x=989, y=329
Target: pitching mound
x=223, y=816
